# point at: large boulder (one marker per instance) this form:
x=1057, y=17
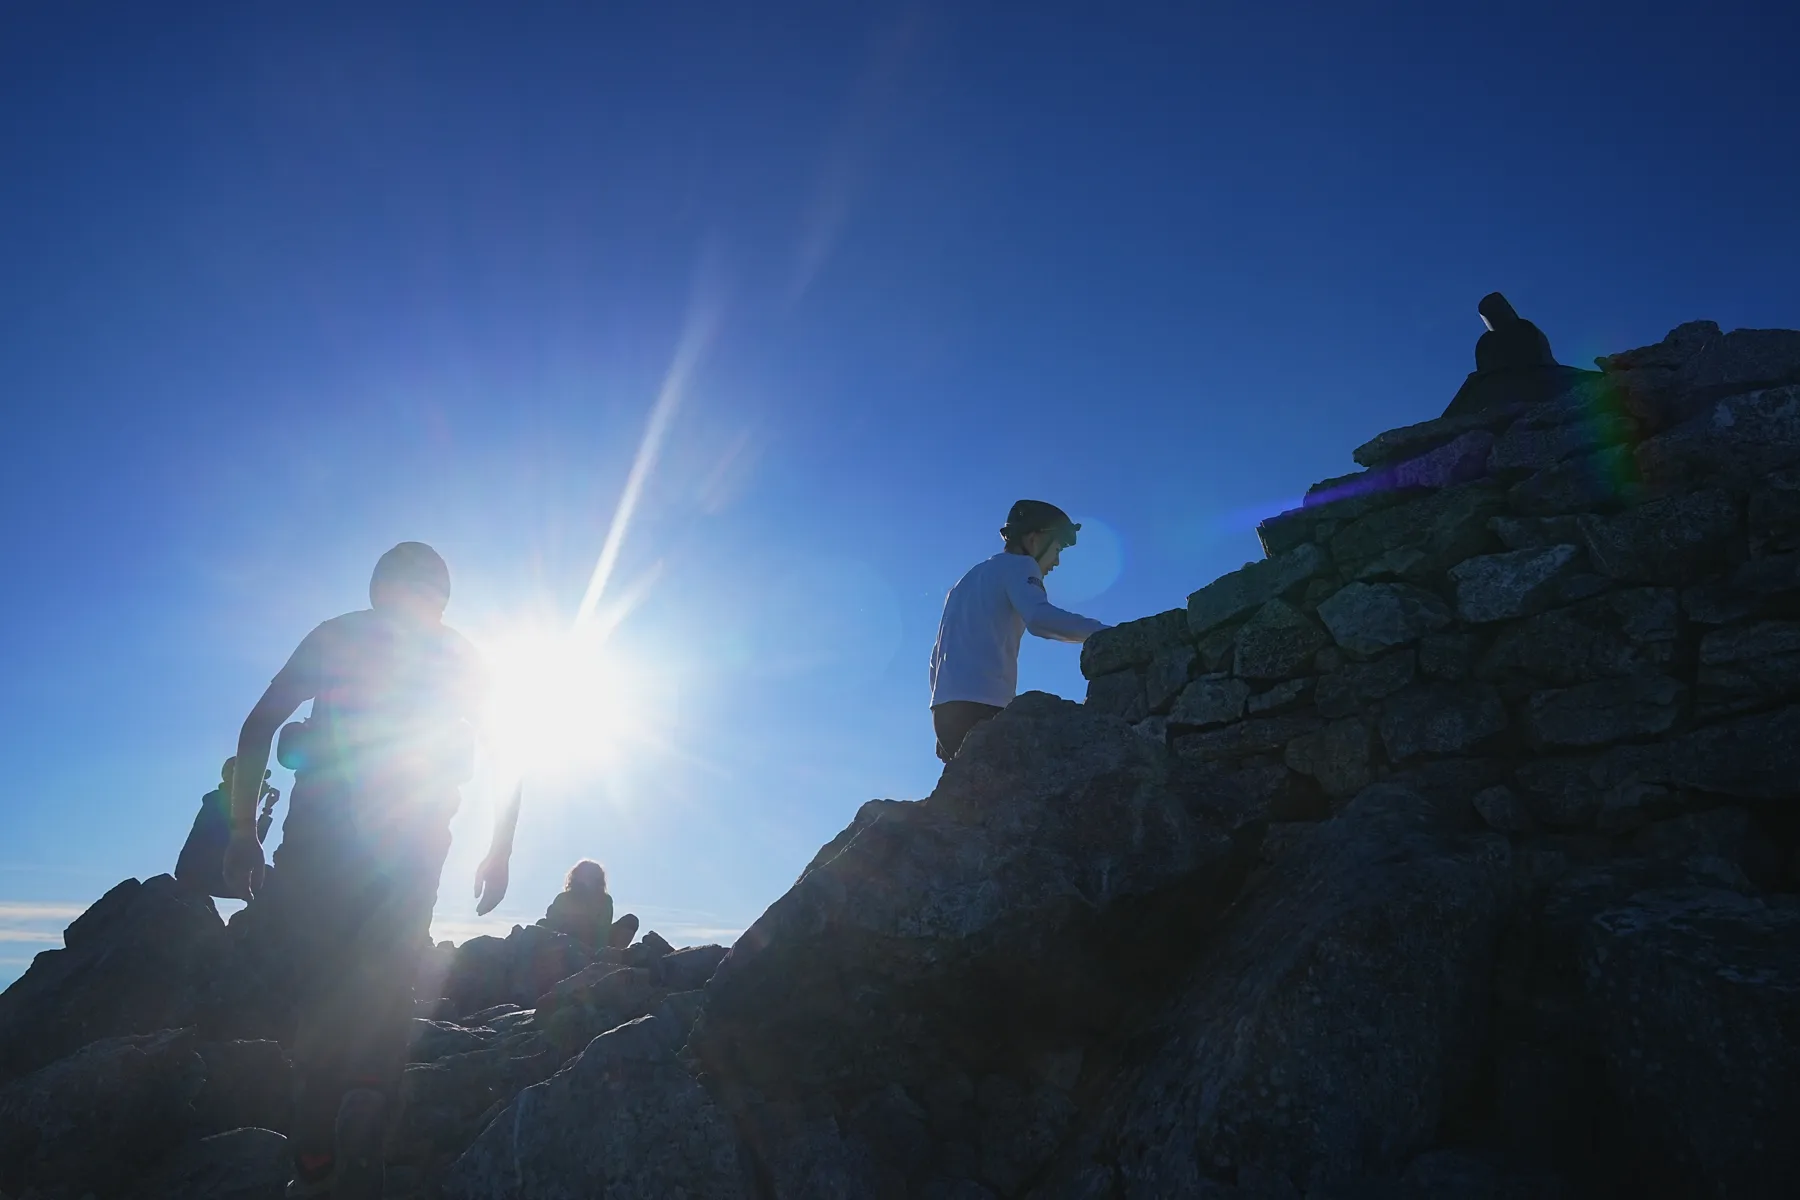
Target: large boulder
x=589, y=1003
x=136, y=961
x=242, y=1164
x=623, y=1120
x=1695, y=993
x=1333, y=1022
x=94, y=1121
x=1020, y=903
x=517, y=969
x=446, y=1103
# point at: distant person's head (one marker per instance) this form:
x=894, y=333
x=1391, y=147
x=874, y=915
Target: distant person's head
x=226, y=772
x=1040, y=530
x=587, y=877
x=411, y=579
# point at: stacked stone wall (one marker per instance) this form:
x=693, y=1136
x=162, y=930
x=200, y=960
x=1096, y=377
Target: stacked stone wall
x=1586, y=610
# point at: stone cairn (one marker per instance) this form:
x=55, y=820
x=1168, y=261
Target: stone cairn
x=1589, y=606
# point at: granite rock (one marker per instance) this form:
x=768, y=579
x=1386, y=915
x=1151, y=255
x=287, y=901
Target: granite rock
x=1739, y=437
x=1602, y=480
x=1263, y=735
x=1696, y=992
x=1119, y=694
x=1369, y=618
x=1603, y=711
x=1440, y=718
x=1526, y=447
x=624, y=1118
x=1338, y=755
x=1355, y=686
x=1669, y=541
x=1277, y=641
x=1132, y=643
x=1518, y=583
x=1502, y=809
x=1252, y=586
x=1210, y=700
x=1411, y=441
x=1300, y=1065
x=137, y=961
x=1421, y=538
x=1167, y=675
x=1748, y=666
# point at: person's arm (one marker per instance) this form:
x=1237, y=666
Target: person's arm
x=492, y=876
x=243, y=853
x=1026, y=591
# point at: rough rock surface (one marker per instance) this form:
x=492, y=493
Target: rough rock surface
x=243, y=1164
x=623, y=1119
x=1703, y=1041
x=1002, y=906
x=1338, y=1014
x=1450, y=851
x=1370, y=618
x=92, y=1122
x=136, y=962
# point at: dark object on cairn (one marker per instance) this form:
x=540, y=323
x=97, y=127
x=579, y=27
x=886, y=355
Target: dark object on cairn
x=1513, y=364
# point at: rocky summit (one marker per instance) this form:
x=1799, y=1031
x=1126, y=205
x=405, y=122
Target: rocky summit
x=1450, y=850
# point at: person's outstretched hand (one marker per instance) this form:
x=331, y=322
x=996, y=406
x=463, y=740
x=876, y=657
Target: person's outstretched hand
x=490, y=882
x=243, y=866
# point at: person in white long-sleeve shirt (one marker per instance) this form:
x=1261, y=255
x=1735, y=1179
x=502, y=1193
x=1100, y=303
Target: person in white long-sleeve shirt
x=975, y=663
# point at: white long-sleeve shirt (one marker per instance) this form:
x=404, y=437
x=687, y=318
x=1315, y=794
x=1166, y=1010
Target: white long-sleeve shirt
x=985, y=615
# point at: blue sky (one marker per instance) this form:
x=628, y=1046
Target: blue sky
x=283, y=284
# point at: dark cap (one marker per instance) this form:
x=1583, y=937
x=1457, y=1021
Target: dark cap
x=1030, y=516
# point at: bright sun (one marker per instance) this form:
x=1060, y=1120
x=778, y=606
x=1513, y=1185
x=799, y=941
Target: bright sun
x=561, y=703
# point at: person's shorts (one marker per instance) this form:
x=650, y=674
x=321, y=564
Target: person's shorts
x=953, y=719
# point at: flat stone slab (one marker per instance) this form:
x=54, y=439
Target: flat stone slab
x=1410, y=441
x=1276, y=642
x=1210, y=700
x=1369, y=618
x=1440, y=718
x=1250, y=587
x=1133, y=643
x=1674, y=540
x=1604, y=711
x=1518, y=583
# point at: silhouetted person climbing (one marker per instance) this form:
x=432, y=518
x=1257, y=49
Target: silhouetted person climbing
x=584, y=910
x=975, y=663
x=396, y=695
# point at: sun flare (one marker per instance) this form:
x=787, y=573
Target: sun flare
x=561, y=703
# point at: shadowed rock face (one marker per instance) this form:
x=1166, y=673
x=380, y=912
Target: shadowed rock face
x=94, y=1120
x=1013, y=907
x=623, y=1119
x=1323, y=1034
x=136, y=962
x=1450, y=851
x=1704, y=988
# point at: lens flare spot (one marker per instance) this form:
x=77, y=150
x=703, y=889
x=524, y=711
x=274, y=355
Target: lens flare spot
x=1091, y=565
